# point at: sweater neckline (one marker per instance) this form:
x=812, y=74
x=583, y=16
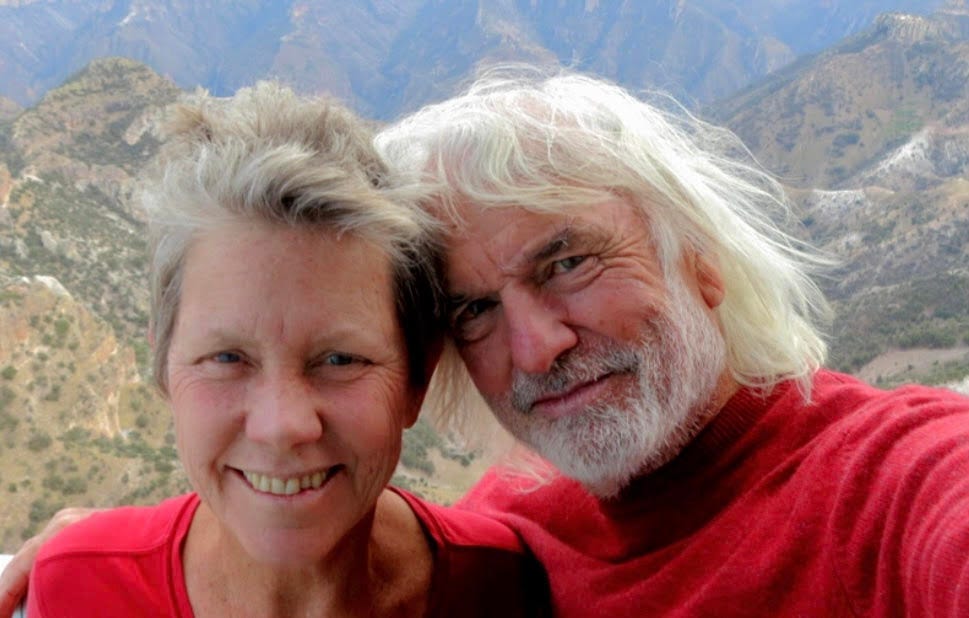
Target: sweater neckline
x=741, y=412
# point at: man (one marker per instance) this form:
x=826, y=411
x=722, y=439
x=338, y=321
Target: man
x=625, y=305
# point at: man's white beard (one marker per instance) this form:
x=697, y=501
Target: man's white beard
x=678, y=365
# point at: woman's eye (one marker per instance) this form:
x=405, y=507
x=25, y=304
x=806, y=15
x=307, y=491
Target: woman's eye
x=567, y=264
x=227, y=357
x=338, y=359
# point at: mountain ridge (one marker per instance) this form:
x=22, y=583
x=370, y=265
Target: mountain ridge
x=385, y=57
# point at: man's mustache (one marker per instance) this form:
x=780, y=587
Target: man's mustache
x=570, y=371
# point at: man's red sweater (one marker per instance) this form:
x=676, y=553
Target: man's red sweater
x=856, y=504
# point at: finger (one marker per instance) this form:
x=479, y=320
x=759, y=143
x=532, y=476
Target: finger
x=13, y=580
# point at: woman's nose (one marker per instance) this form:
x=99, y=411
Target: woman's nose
x=284, y=413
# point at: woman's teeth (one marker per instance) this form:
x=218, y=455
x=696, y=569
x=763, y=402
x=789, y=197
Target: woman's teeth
x=284, y=486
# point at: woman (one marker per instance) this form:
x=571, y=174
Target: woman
x=294, y=332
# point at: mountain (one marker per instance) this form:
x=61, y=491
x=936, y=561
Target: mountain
x=845, y=108
x=73, y=159
x=388, y=56
x=873, y=135
x=81, y=422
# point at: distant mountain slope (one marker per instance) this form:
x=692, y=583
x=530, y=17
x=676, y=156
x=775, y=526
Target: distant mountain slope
x=385, y=56
x=826, y=118
x=74, y=157
x=875, y=134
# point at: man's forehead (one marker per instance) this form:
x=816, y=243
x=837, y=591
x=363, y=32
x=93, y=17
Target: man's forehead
x=511, y=242
x=507, y=234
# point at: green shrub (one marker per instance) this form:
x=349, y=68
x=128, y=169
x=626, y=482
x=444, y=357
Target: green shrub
x=38, y=442
x=53, y=483
x=41, y=510
x=74, y=485
x=54, y=394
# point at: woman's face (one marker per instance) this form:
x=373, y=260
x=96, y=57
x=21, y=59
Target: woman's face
x=288, y=384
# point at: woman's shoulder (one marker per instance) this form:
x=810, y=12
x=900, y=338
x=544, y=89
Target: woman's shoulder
x=123, y=529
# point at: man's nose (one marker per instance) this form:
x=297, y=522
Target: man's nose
x=284, y=413
x=537, y=332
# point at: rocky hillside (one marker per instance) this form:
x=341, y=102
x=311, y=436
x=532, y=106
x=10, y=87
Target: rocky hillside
x=79, y=423
x=386, y=56
x=874, y=136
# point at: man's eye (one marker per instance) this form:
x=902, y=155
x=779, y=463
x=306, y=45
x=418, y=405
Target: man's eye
x=227, y=357
x=475, y=308
x=567, y=264
x=468, y=323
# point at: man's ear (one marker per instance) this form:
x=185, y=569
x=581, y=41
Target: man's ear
x=709, y=279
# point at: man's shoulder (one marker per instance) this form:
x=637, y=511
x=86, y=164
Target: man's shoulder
x=128, y=529
x=859, y=403
x=508, y=493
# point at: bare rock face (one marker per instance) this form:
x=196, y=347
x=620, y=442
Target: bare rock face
x=911, y=28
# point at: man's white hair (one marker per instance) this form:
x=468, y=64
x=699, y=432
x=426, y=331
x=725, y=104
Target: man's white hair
x=522, y=138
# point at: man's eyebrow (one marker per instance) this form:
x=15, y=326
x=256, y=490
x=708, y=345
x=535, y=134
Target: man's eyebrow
x=453, y=301
x=562, y=239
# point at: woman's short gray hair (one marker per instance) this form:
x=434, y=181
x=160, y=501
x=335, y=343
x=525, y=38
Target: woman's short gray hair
x=270, y=156
x=522, y=138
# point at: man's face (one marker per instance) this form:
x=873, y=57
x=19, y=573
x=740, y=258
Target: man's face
x=582, y=347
